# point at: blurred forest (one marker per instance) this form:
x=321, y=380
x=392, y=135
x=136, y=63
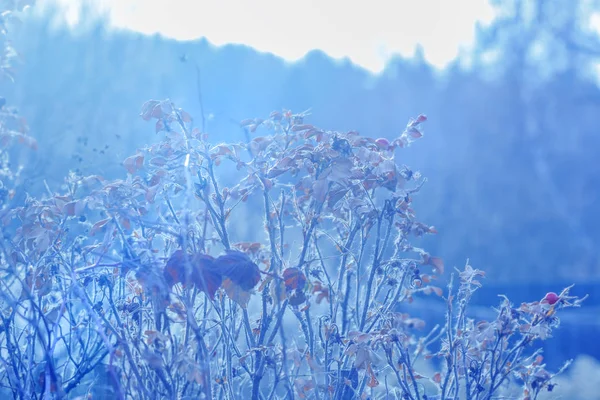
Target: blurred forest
x=511, y=148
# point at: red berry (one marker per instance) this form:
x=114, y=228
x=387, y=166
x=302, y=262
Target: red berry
x=550, y=298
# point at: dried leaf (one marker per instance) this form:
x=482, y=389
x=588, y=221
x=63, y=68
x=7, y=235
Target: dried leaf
x=302, y=127
x=335, y=196
x=236, y=293
x=98, y=225
x=414, y=133
x=382, y=143
x=341, y=169
x=373, y=382
x=438, y=291
x=43, y=282
x=160, y=126
x=258, y=144
x=148, y=108
x=249, y=247
x=206, y=275
x=320, y=188
x=151, y=193
x=275, y=172
x=69, y=208
x=158, y=161
x=296, y=297
x=322, y=292
x=438, y=263
x=185, y=116
x=294, y=279
x=166, y=107
x=134, y=163
x=239, y=268
x=176, y=270
x=198, y=269
x=221, y=150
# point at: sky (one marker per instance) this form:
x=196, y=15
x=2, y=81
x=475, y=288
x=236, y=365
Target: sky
x=367, y=32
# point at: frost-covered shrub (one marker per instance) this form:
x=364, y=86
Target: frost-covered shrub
x=272, y=268
x=13, y=128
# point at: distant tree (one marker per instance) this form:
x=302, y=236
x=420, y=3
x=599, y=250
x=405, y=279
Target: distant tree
x=547, y=37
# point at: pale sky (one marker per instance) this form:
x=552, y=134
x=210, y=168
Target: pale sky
x=368, y=32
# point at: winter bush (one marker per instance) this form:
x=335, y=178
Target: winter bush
x=272, y=268
x=154, y=286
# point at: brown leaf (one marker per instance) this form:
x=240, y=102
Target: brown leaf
x=281, y=166
x=236, y=293
x=433, y=289
x=157, y=177
x=258, y=144
x=373, y=382
x=126, y=223
x=438, y=291
x=294, y=279
x=320, y=188
x=175, y=270
x=71, y=208
x=341, y=169
x=166, y=107
x=160, y=126
x=335, y=196
x=153, y=360
x=98, y=225
x=221, y=149
x=185, y=116
x=198, y=269
x=438, y=263
x=296, y=297
x=151, y=193
x=322, y=292
x=239, y=268
x=382, y=143
x=43, y=282
x=275, y=172
x=153, y=283
x=250, y=247
x=302, y=127
x=133, y=163
x=158, y=161
x=206, y=275
x=148, y=108
x=157, y=111
x=414, y=133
